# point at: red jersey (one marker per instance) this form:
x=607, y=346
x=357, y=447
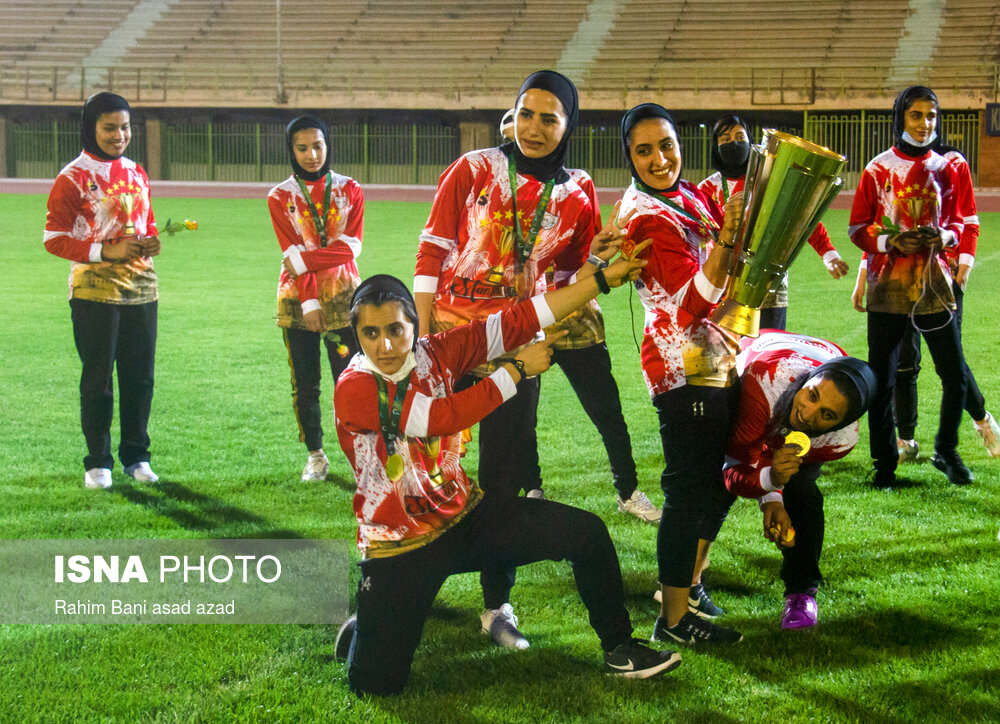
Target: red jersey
x=911, y=192
x=434, y=492
x=327, y=276
x=89, y=205
x=768, y=366
x=674, y=291
x=466, y=256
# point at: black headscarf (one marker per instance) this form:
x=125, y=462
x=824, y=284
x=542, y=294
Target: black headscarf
x=378, y=290
x=553, y=165
x=902, y=103
x=730, y=159
x=301, y=123
x=95, y=107
x=633, y=116
x=853, y=372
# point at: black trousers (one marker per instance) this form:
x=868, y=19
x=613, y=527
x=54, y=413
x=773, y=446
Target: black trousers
x=589, y=373
x=773, y=317
x=885, y=332
x=694, y=429
x=115, y=338
x=905, y=397
x=804, y=505
x=508, y=464
x=304, y=361
x=395, y=594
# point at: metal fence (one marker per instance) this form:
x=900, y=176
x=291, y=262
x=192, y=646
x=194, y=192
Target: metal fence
x=416, y=154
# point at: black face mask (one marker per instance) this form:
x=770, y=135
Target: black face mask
x=734, y=155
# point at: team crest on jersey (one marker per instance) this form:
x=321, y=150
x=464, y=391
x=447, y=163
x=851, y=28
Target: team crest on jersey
x=340, y=201
x=888, y=185
x=549, y=220
x=483, y=197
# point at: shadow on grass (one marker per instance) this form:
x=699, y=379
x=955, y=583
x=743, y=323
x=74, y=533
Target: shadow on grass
x=196, y=511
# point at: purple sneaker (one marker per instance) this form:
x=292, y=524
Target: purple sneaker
x=800, y=610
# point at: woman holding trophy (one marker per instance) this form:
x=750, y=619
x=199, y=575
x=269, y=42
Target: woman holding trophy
x=100, y=218
x=688, y=362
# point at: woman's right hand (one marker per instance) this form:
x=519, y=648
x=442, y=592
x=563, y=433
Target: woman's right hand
x=313, y=321
x=858, y=295
x=125, y=249
x=537, y=357
x=731, y=217
x=626, y=269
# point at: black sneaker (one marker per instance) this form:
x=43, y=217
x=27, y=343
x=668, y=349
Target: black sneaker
x=345, y=636
x=701, y=605
x=883, y=478
x=635, y=660
x=952, y=466
x=694, y=630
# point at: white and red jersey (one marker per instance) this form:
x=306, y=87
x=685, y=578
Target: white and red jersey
x=89, y=205
x=326, y=276
x=768, y=366
x=911, y=192
x=434, y=492
x=585, y=325
x=466, y=256
x=674, y=291
x=819, y=239
x=965, y=206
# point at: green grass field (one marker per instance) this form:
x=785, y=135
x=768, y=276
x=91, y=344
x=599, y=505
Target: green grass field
x=909, y=611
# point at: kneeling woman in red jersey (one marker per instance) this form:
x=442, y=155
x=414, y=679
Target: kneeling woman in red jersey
x=800, y=400
x=420, y=517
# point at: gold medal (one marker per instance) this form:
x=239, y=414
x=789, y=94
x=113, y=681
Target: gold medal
x=800, y=439
x=394, y=467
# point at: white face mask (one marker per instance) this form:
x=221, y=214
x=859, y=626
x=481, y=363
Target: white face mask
x=913, y=142
x=402, y=372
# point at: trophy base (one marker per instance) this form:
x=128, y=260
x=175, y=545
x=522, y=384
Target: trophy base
x=738, y=318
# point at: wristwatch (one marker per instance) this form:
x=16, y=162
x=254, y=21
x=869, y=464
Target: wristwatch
x=597, y=261
x=519, y=365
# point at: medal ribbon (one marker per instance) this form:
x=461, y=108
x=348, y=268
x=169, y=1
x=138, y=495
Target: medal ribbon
x=525, y=247
x=708, y=225
x=319, y=219
x=389, y=418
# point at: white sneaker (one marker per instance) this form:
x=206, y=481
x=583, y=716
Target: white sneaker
x=639, y=506
x=501, y=625
x=989, y=431
x=316, y=468
x=908, y=450
x=97, y=478
x=536, y=493
x=141, y=472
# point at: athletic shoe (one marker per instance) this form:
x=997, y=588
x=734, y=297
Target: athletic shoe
x=97, y=478
x=141, y=473
x=800, y=611
x=701, y=605
x=693, y=630
x=883, y=478
x=501, y=625
x=952, y=466
x=639, y=506
x=316, y=467
x=634, y=660
x=908, y=450
x=989, y=431
x=345, y=636
x=535, y=493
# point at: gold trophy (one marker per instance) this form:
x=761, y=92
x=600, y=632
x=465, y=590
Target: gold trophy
x=790, y=182
x=504, y=245
x=127, y=202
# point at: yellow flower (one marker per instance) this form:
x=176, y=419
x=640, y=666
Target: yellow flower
x=191, y=224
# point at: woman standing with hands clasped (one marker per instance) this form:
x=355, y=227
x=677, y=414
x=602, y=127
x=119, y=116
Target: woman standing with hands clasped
x=318, y=217
x=687, y=361
x=100, y=218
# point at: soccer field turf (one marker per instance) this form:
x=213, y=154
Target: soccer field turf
x=908, y=611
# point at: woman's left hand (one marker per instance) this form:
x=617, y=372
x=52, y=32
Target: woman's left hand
x=289, y=269
x=150, y=245
x=837, y=268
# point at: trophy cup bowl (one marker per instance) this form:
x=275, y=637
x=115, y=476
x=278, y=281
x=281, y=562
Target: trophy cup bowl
x=790, y=182
x=127, y=203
